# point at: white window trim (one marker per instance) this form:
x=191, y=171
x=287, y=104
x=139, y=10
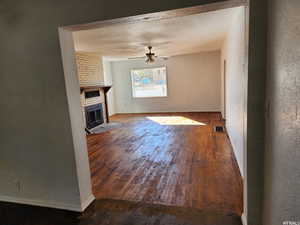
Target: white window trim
x=143, y=68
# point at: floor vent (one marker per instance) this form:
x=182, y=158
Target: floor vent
x=219, y=128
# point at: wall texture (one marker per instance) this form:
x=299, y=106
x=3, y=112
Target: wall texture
x=37, y=150
x=41, y=152
x=254, y=159
x=193, y=85
x=233, y=52
x=282, y=156
x=108, y=80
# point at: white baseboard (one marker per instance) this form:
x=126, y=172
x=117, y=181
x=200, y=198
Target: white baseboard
x=234, y=151
x=87, y=202
x=43, y=203
x=244, y=219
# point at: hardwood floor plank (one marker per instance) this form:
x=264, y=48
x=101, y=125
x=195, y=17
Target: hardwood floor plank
x=114, y=212
x=166, y=158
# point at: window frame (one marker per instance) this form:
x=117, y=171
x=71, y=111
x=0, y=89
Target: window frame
x=144, y=68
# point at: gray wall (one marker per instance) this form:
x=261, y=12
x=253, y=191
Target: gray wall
x=41, y=150
x=282, y=156
x=37, y=146
x=193, y=85
x=254, y=159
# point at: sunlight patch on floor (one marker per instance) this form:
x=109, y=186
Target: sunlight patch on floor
x=175, y=120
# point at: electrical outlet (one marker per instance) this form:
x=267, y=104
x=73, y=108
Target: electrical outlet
x=18, y=185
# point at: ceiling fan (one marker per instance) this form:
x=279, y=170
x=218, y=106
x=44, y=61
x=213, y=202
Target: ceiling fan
x=150, y=56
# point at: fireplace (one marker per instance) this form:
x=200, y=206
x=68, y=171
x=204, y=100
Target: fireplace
x=94, y=115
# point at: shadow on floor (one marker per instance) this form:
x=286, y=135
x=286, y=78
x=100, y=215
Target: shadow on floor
x=114, y=212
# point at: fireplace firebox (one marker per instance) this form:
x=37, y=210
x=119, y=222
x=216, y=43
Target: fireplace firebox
x=94, y=115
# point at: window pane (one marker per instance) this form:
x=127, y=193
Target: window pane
x=151, y=82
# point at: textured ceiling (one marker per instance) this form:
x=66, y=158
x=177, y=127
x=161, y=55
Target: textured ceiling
x=176, y=36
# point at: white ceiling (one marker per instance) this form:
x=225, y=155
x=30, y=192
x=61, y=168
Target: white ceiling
x=176, y=36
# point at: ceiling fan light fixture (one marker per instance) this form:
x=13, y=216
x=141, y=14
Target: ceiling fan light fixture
x=149, y=59
x=150, y=56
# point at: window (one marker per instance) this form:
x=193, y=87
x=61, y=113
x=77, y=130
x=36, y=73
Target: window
x=150, y=82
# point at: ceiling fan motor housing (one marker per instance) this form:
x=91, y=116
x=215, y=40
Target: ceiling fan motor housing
x=150, y=55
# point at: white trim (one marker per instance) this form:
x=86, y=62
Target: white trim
x=244, y=219
x=75, y=114
x=86, y=203
x=148, y=68
x=42, y=203
x=234, y=148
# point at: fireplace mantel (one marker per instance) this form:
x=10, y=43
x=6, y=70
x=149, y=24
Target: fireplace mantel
x=104, y=87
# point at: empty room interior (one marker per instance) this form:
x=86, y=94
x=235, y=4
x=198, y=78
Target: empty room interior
x=150, y=112
x=162, y=106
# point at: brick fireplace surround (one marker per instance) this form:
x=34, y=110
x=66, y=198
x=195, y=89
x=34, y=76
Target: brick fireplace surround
x=90, y=75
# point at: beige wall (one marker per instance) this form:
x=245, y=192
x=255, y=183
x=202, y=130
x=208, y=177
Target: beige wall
x=108, y=80
x=233, y=52
x=193, y=85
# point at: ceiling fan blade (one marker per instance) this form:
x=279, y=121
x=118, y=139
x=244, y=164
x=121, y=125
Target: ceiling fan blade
x=141, y=57
x=163, y=57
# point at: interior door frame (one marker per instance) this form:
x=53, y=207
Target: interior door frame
x=70, y=69
x=224, y=88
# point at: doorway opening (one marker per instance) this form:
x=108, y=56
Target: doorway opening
x=151, y=120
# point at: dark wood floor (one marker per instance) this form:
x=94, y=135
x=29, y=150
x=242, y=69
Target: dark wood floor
x=114, y=212
x=153, y=160
x=170, y=159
